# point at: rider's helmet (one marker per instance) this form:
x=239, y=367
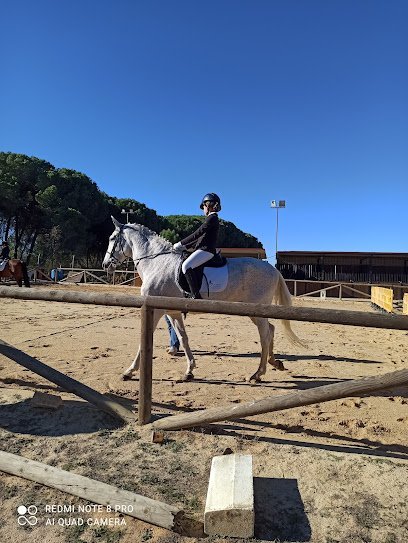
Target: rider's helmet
x=214, y=199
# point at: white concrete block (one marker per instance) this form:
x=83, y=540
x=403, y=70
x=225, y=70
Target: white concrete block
x=229, y=509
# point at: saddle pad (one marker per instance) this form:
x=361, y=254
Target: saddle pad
x=214, y=280
x=3, y=264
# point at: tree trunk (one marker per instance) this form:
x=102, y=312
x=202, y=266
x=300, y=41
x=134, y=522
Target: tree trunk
x=31, y=249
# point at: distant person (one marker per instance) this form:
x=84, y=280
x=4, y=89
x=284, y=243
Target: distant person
x=5, y=251
x=203, y=240
x=174, y=340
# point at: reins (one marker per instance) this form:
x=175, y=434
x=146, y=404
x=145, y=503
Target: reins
x=152, y=256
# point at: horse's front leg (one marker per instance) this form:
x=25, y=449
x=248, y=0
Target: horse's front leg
x=178, y=324
x=134, y=367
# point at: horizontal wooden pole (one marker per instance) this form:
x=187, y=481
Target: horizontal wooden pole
x=72, y=296
x=140, y=507
x=104, y=403
x=286, y=401
x=308, y=314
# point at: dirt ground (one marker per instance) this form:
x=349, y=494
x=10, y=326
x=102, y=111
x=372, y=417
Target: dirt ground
x=329, y=473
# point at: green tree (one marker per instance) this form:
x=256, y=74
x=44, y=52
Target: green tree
x=20, y=214
x=229, y=235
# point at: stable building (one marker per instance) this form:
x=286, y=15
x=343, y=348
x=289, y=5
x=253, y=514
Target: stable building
x=388, y=268
x=236, y=252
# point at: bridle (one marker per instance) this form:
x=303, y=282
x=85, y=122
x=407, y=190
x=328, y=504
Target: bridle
x=120, y=240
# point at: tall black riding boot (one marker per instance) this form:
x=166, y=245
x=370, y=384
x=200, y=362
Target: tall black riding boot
x=193, y=284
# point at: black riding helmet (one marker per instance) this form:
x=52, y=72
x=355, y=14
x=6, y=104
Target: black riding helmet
x=213, y=198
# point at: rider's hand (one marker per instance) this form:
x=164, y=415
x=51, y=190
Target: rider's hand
x=177, y=246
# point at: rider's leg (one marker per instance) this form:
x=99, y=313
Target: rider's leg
x=198, y=258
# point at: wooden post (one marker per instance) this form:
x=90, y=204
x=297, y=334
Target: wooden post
x=67, y=383
x=295, y=289
x=321, y=394
x=140, y=507
x=146, y=364
x=340, y=291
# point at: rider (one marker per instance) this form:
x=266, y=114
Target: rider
x=5, y=251
x=203, y=240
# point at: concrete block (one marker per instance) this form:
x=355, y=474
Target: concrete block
x=229, y=509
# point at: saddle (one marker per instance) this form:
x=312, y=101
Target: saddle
x=217, y=261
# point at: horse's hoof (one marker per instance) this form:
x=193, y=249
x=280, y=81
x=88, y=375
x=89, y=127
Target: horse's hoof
x=255, y=378
x=126, y=377
x=278, y=365
x=188, y=377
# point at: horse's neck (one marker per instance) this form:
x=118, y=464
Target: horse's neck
x=153, y=257
x=146, y=246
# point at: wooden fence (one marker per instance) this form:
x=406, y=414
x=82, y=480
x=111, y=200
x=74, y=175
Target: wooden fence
x=150, y=303
x=383, y=298
x=86, y=275
x=340, y=290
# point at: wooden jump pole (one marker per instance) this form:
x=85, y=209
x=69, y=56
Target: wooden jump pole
x=71, y=296
x=308, y=314
x=140, y=507
x=285, y=401
x=146, y=363
x=305, y=314
x=67, y=383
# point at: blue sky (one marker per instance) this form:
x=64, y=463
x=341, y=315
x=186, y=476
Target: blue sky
x=165, y=100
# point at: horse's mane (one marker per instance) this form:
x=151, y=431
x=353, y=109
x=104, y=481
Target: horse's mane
x=149, y=234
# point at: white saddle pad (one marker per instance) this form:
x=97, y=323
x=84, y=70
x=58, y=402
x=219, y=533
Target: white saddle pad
x=2, y=264
x=214, y=279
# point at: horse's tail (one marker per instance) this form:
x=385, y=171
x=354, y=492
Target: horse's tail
x=283, y=297
x=25, y=275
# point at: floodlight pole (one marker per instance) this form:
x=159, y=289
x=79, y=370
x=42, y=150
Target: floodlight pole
x=277, y=204
x=127, y=212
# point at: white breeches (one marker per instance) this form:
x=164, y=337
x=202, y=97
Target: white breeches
x=196, y=259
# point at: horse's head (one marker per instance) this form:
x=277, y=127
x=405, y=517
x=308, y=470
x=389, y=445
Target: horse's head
x=118, y=248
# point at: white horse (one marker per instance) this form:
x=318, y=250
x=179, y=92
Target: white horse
x=249, y=280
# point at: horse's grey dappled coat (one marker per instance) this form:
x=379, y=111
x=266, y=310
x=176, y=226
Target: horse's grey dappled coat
x=250, y=280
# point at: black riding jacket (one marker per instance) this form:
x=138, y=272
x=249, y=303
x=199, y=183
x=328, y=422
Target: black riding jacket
x=205, y=237
x=5, y=253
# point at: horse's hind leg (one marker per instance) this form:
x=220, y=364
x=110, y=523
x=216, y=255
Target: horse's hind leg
x=136, y=362
x=178, y=324
x=265, y=337
x=277, y=364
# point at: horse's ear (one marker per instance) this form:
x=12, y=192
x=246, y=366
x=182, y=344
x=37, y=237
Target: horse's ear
x=117, y=224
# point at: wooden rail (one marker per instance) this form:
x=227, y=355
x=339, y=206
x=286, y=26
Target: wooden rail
x=102, y=402
x=285, y=401
x=140, y=507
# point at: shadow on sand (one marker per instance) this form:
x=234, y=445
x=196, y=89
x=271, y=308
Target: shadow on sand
x=279, y=511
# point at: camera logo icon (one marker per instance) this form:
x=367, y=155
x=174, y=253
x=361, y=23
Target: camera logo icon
x=27, y=515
